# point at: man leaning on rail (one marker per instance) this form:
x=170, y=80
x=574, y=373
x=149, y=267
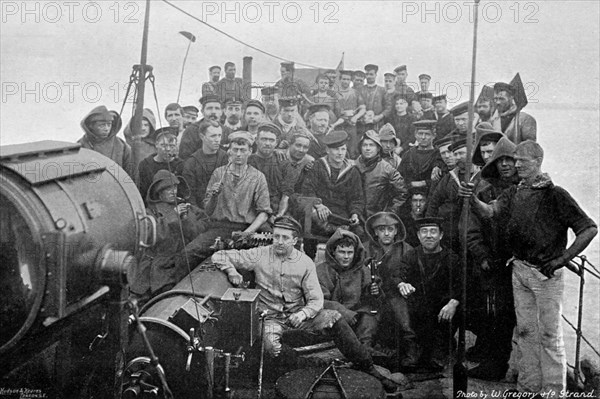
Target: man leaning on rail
x=539, y=215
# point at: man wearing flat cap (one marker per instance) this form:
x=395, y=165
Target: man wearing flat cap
x=318, y=119
x=383, y=185
x=190, y=115
x=374, y=96
x=424, y=81
x=254, y=115
x=460, y=113
x=492, y=304
x=445, y=201
x=233, y=117
x=352, y=107
x=401, y=86
x=517, y=125
x=237, y=198
x=445, y=120
x=386, y=247
x=428, y=281
x=289, y=120
x=190, y=139
x=291, y=296
x=426, y=100
x=337, y=182
x=214, y=73
x=422, y=162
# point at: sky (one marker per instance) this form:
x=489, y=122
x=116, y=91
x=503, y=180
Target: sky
x=60, y=59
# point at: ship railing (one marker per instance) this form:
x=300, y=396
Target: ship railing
x=582, y=267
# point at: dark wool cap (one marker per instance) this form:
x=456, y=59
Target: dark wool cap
x=335, y=139
x=255, y=103
x=448, y=139
x=400, y=68
x=384, y=219
x=391, y=75
x=287, y=64
x=241, y=135
x=425, y=95
x=269, y=127
x=369, y=67
x=288, y=101
x=269, y=91
x=424, y=76
x=233, y=101
x=431, y=221
x=458, y=144
x=439, y=98
x=359, y=73
x=489, y=136
x=167, y=130
x=288, y=223
x=460, y=109
x=209, y=98
x=501, y=86
x=190, y=109
x=425, y=125
x=504, y=148
x=318, y=108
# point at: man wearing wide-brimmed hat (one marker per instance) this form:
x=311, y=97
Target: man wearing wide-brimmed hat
x=161, y=268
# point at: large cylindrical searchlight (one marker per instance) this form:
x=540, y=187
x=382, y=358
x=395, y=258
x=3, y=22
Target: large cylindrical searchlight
x=71, y=225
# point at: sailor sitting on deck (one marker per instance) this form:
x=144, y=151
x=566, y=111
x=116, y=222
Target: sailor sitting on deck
x=423, y=279
x=291, y=295
x=348, y=287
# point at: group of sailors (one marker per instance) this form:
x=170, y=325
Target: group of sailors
x=381, y=175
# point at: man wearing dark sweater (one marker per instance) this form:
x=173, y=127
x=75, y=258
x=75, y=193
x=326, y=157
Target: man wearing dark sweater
x=428, y=279
x=165, y=158
x=198, y=168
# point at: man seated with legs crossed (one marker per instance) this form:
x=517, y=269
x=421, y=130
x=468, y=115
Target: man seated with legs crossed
x=291, y=295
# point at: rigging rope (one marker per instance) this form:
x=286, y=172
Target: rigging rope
x=238, y=40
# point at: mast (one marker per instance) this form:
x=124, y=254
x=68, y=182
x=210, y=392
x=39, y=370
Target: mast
x=141, y=88
x=459, y=372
